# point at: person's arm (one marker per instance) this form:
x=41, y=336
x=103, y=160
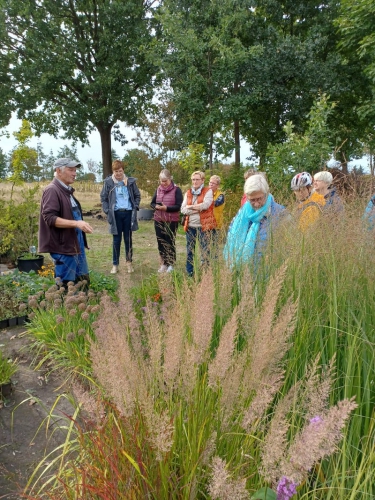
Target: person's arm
x=184, y=209
x=104, y=198
x=79, y=224
x=206, y=203
x=153, y=201
x=137, y=196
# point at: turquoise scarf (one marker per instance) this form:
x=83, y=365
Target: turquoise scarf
x=241, y=238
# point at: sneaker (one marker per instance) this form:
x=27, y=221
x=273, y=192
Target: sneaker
x=114, y=270
x=162, y=269
x=169, y=269
x=130, y=267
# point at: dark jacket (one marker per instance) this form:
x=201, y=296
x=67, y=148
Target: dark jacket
x=56, y=203
x=108, y=200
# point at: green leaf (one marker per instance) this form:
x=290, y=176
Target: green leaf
x=264, y=494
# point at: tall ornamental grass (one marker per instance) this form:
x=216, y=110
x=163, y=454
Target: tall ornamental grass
x=235, y=385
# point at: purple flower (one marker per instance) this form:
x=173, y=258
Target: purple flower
x=286, y=489
x=316, y=420
x=144, y=309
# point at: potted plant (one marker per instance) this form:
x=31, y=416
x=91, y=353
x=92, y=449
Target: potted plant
x=19, y=228
x=7, y=370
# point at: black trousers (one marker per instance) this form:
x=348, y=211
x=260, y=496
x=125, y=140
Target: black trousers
x=166, y=238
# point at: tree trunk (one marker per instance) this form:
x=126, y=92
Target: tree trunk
x=237, y=146
x=211, y=151
x=344, y=163
x=105, y=138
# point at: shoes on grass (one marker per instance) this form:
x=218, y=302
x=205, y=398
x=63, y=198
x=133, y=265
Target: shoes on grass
x=162, y=269
x=130, y=267
x=169, y=269
x=114, y=270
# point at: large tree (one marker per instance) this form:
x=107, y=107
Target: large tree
x=79, y=64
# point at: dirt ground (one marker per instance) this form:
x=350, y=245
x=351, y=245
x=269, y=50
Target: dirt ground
x=23, y=443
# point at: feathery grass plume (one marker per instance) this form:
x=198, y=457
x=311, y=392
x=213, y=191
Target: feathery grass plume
x=219, y=365
x=262, y=400
x=173, y=343
x=223, y=291
x=202, y=316
x=160, y=427
x=93, y=407
x=113, y=362
x=154, y=341
x=246, y=305
x=270, y=341
x=317, y=388
x=317, y=440
x=275, y=442
x=231, y=385
x=222, y=487
x=129, y=321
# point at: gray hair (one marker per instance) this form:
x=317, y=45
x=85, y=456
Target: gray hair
x=324, y=176
x=165, y=174
x=255, y=183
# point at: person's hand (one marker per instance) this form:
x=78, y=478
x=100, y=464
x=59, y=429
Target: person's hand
x=161, y=207
x=84, y=226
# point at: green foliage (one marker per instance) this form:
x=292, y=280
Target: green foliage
x=356, y=23
x=93, y=69
x=19, y=223
x=61, y=329
x=307, y=152
x=7, y=369
x=192, y=158
x=145, y=168
x=100, y=282
x=24, y=160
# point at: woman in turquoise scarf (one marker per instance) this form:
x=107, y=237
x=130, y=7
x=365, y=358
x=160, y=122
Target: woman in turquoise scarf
x=250, y=230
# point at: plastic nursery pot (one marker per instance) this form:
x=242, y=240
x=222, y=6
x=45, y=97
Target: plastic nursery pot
x=21, y=320
x=6, y=390
x=145, y=214
x=27, y=264
x=3, y=323
x=12, y=322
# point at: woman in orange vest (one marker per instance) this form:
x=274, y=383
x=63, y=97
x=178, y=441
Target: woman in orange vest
x=198, y=207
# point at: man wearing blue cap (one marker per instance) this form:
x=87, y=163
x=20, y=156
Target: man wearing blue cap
x=62, y=231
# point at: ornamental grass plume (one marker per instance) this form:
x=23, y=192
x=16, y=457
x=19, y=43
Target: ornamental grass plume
x=222, y=361
x=222, y=486
x=114, y=364
x=202, y=318
x=317, y=440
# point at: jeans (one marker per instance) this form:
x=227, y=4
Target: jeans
x=192, y=235
x=166, y=238
x=124, y=228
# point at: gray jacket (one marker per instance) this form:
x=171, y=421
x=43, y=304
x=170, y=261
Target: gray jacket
x=108, y=200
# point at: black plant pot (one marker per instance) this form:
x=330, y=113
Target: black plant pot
x=6, y=390
x=21, y=320
x=27, y=265
x=4, y=323
x=12, y=321
x=145, y=214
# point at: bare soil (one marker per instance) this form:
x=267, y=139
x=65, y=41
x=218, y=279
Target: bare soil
x=24, y=440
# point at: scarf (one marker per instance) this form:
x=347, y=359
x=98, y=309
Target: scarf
x=197, y=192
x=116, y=181
x=243, y=232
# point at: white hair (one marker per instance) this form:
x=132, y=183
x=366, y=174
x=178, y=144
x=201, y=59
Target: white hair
x=324, y=176
x=255, y=183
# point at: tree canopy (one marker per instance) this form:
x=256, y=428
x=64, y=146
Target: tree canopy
x=79, y=65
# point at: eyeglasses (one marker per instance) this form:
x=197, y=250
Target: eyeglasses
x=256, y=200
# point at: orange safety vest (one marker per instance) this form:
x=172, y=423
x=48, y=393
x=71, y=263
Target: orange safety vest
x=207, y=218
